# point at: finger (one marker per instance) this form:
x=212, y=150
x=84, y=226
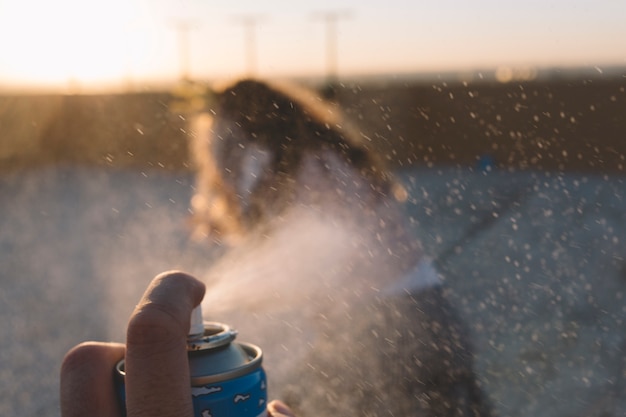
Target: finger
x=87, y=387
x=157, y=368
x=278, y=408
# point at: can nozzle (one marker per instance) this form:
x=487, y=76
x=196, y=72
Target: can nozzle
x=196, y=327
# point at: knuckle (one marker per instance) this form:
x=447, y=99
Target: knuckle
x=80, y=357
x=154, y=325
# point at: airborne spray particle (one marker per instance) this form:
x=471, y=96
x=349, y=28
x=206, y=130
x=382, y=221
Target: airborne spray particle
x=323, y=272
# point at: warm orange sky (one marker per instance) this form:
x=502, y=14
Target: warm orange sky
x=123, y=42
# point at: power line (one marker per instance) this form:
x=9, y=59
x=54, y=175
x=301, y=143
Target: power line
x=249, y=23
x=330, y=19
x=182, y=28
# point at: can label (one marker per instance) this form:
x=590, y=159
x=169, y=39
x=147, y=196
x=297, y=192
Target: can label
x=245, y=396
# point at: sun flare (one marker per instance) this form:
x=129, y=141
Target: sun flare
x=68, y=41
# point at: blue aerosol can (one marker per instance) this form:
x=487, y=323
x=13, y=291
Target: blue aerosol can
x=226, y=376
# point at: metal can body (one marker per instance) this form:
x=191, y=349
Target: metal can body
x=227, y=379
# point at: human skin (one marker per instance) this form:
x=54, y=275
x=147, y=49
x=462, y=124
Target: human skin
x=157, y=372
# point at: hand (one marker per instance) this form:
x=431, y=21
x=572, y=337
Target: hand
x=157, y=378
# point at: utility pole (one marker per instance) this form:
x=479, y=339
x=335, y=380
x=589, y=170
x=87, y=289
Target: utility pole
x=249, y=23
x=183, y=27
x=330, y=19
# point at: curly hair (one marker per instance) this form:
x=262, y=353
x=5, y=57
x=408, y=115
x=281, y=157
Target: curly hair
x=289, y=122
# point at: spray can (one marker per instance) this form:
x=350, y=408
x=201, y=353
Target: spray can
x=226, y=376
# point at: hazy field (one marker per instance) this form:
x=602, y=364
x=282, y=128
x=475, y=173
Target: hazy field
x=571, y=124
x=94, y=199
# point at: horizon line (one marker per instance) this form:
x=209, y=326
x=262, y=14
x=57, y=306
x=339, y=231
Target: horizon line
x=500, y=74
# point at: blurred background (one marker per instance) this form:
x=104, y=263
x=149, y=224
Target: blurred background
x=506, y=121
x=127, y=45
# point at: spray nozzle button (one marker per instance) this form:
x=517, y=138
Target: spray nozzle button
x=196, y=327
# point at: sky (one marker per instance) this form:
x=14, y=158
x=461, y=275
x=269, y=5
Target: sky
x=130, y=42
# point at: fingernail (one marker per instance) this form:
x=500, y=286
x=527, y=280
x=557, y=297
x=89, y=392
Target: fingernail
x=279, y=407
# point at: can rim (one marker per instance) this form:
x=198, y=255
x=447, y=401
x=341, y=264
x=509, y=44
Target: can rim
x=214, y=335
x=254, y=353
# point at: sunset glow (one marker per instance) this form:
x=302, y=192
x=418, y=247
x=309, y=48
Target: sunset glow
x=65, y=41
x=128, y=43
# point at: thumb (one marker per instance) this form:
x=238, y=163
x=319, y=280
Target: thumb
x=279, y=409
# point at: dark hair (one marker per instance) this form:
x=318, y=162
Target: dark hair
x=291, y=124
